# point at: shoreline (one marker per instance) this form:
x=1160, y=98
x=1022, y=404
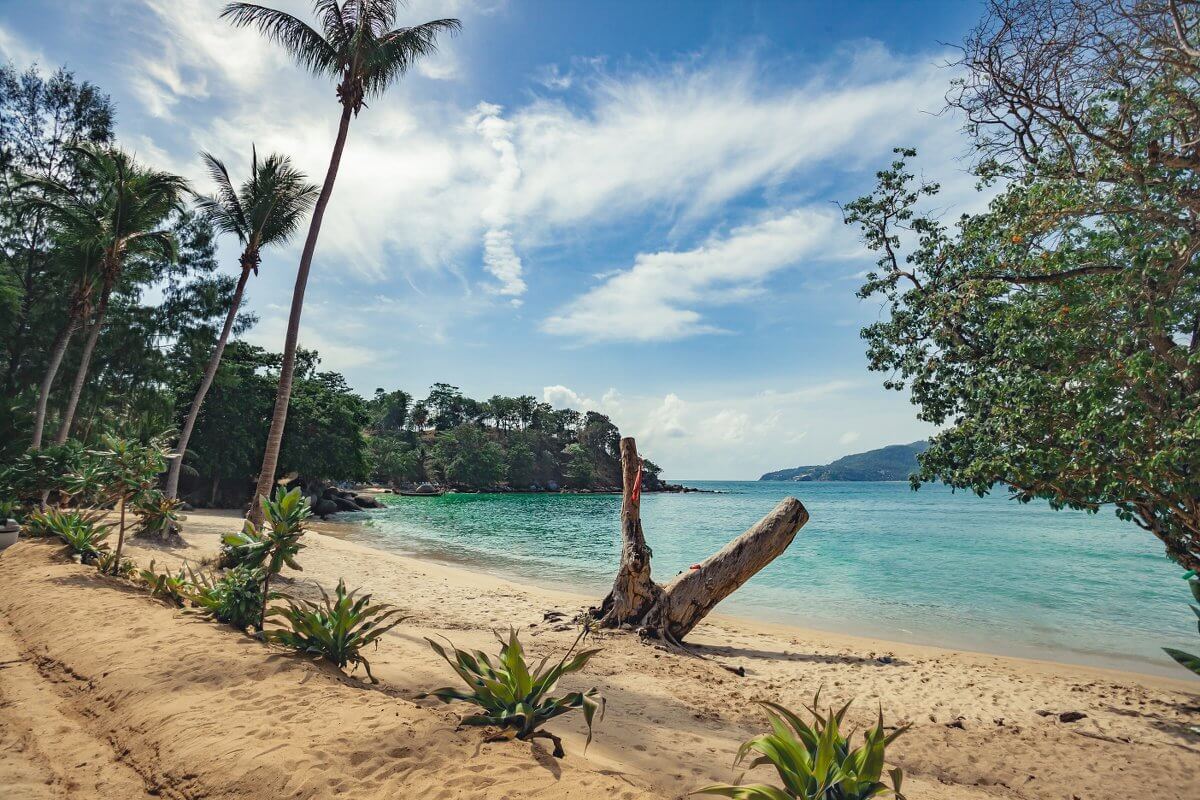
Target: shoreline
x=982, y=727
x=468, y=569
x=476, y=562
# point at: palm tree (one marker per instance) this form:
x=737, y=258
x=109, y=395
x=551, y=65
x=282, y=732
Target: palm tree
x=132, y=201
x=266, y=210
x=358, y=47
x=99, y=230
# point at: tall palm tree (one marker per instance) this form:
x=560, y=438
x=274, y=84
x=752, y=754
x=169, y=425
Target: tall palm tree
x=132, y=200
x=265, y=210
x=96, y=230
x=358, y=47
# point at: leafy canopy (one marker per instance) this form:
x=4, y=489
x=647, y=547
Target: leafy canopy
x=356, y=44
x=1055, y=337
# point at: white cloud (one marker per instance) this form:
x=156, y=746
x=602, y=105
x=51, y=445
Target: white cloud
x=499, y=255
x=561, y=396
x=727, y=432
x=656, y=298
x=849, y=437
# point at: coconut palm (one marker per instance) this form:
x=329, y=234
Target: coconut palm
x=358, y=47
x=99, y=229
x=265, y=210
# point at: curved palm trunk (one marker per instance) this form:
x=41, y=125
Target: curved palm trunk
x=85, y=360
x=56, y=357
x=210, y=372
x=266, y=475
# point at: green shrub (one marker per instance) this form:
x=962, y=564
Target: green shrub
x=234, y=598
x=158, y=515
x=515, y=698
x=11, y=509
x=276, y=545
x=815, y=761
x=175, y=589
x=81, y=532
x=1187, y=660
x=337, y=630
x=107, y=563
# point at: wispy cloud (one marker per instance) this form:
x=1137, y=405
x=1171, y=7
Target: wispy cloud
x=658, y=298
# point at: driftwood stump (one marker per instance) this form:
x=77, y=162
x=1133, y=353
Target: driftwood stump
x=672, y=611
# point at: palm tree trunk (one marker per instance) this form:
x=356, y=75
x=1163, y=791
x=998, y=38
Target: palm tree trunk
x=210, y=372
x=56, y=357
x=85, y=359
x=266, y=475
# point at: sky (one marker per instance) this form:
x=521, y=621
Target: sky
x=622, y=206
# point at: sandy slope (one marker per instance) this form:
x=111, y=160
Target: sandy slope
x=100, y=685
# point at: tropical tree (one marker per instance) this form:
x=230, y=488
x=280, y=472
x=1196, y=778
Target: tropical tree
x=265, y=210
x=358, y=47
x=114, y=218
x=133, y=201
x=1055, y=337
x=41, y=116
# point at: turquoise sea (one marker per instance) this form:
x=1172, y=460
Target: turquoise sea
x=876, y=559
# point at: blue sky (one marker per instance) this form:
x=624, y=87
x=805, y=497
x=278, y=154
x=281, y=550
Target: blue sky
x=625, y=206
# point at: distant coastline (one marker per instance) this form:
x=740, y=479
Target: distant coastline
x=895, y=462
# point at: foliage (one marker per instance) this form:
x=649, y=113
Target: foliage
x=41, y=116
x=175, y=589
x=277, y=545
x=336, y=630
x=815, y=761
x=11, y=509
x=36, y=471
x=235, y=598
x=279, y=542
x=465, y=455
x=82, y=533
x=354, y=44
x=1054, y=338
x=323, y=439
x=110, y=565
x=158, y=515
x=514, y=697
x=1187, y=660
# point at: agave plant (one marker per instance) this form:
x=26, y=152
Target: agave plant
x=336, y=630
x=108, y=563
x=815, y=761
x=275, y=546
x=234, y=598
x=175, y=589
x=81, y=532
x=158, y=515
x=1187, y=660
x=515, y=698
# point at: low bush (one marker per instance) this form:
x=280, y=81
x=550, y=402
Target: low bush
x=336, y=630
x=175, y=589
x=158, y=515
x=273, y=547
x=234, y=598
x=107, y=563
x=82, y=532
x=814, y=761
x=515, y=698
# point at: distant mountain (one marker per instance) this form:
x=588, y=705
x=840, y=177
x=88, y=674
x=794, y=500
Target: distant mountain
x=892, y=463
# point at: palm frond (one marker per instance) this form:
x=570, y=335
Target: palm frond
x=396, y=51
x=304, y=44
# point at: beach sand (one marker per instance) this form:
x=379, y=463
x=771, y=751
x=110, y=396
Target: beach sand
x=107, y=693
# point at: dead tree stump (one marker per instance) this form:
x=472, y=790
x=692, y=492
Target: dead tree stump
x=672, y=611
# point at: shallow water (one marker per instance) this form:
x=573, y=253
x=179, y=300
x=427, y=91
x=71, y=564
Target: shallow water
x=876, y=559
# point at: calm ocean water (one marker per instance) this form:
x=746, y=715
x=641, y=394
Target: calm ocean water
x=876, y=559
